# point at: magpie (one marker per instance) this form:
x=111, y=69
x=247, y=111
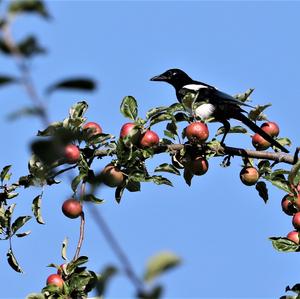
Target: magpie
x=212, y=103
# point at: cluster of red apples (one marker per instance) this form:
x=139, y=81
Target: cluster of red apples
x=249, y=175
x=291, y=206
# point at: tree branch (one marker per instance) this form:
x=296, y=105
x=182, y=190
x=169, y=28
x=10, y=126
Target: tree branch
x=221, y=151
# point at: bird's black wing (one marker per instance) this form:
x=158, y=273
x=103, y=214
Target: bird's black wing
x=224, y=97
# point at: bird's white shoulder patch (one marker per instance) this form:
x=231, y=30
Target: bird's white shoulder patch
x=194, y=87
x=205, y=111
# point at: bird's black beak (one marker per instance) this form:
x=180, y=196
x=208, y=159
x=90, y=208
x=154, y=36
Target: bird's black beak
x=159, y=78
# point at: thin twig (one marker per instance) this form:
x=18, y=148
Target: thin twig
x=116, y=248
x=82, y=223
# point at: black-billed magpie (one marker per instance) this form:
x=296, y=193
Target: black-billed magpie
x=213, y=103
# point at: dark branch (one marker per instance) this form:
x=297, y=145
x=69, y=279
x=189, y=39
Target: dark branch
x=222, y=151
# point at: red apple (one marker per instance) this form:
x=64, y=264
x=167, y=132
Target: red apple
x=290, y=204
x=72, y=208
x=93, y=127
x=112, y=176
x=55, y=279
x=197, y=132
x=198, y=166
x=127, y=129
x=296, y=220
x=149, y=139
x=72, y=153
x=293, y=236
x=249, y=176
x=259, y=142
x=270, y=128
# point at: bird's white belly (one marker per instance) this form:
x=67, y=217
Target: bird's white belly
x=205, y=111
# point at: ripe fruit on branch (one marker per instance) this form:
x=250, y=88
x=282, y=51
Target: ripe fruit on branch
x=197, y=132
x=149, y=139
x=296, y=220
x=112, y=176
x=270, y=128
x=198, y=166
x=93, y=128
x=72, y=208
x=249, y=176
x=72, y=153
x=55, y=279
x=129, y=129
x=293, y=236
x=259, y=142
x=290, y=205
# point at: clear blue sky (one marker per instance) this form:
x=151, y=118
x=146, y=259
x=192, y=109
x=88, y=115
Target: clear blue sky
x=218, y=226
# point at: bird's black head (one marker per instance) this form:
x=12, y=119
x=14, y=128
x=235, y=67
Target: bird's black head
x=175, y=77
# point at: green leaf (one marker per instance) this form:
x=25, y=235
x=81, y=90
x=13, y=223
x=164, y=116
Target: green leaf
x=256, y=113
x=19, y=222
x=119, y=192
x=74, y=264
x=24, y=234
x=36, y=209
x=7, y=80
x=160, y=117
x=129, y=107
x=64, y=249
x=159, y=180
x=29, y=6
x=153, y=111
x=4, y=173
x=236, y=129
x=159, y=264
x=284, y=141
x=51, y=129
x=188, y=176
x=30, y=47
x=284, y=244
x=76, y=181
x=78, y=110
x=35, y=296
x=243, y=97
x=25, y=112
x=155, y=293
x=278, y=182
x=106, y=274
x=165, y=167
x=133, y=186
x=85, y=84
x=261, y=187
x=92, y=198
x=13, y=262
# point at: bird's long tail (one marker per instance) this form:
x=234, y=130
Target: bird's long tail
x=245, y=120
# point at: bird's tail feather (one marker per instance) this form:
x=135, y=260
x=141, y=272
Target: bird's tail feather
x=245, y=120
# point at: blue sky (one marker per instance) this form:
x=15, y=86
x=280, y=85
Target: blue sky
x=218, y=226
